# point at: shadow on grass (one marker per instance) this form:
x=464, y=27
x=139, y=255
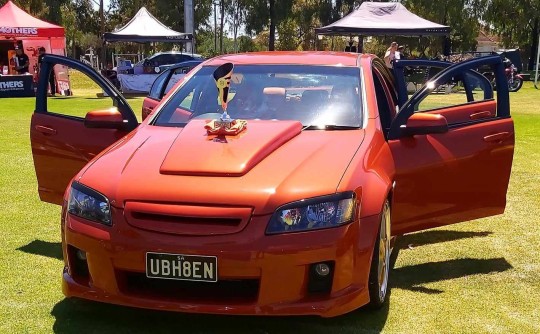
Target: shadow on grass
x=435, y=237
x=412, y=277
x=43, y=248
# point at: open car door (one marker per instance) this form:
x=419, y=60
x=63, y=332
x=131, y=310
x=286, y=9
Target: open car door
x=66, y=132
x=453, y=145
x=164, y=83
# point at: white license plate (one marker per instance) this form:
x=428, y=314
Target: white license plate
x=181, y=267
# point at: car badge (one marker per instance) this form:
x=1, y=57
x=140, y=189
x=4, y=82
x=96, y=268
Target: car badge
x=225, y=125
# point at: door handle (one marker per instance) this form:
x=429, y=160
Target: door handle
x=498, y=137
x=480, y=115
x=45, y=130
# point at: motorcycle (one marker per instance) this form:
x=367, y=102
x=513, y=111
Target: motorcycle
x=514, y=79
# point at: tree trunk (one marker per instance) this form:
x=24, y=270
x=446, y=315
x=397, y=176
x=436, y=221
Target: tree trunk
x=337, y=12
x=102, y=33
x=272, y=38
x=215, y=27
x=446, y=41
x=534, y=43
x=221, y=24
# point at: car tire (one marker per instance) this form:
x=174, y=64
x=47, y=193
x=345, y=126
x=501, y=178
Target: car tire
x=380, y=261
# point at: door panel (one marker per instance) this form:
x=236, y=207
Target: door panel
x=61, y=144
x=447, y=178
x=468, y=112
x=59, y=155
x=459, y=175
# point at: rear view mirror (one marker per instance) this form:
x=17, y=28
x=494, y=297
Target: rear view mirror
x=424, y=124
x=104, y=119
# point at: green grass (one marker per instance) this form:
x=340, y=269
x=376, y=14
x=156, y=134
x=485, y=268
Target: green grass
x=481, y=276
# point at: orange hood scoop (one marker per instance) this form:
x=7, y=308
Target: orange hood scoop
x=194, y=152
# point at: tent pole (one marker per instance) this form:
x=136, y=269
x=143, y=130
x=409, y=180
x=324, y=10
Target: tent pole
x=332, y=43
x=537, y=61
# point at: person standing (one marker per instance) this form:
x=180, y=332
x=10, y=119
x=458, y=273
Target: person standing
x=23, y=62
x=52, y=84
x=390, y=55
x=400, y=53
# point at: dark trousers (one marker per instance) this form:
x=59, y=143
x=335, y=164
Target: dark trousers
x=52, y=82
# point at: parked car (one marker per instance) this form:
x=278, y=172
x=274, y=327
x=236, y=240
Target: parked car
x=293, y=215
x=159, y=62
x=164, y=82
x=161, y=59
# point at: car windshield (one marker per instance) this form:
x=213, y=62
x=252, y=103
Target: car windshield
x=317, y=96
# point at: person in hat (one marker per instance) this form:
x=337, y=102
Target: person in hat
x=22, y=60
x=52, y=84
x=400, y=53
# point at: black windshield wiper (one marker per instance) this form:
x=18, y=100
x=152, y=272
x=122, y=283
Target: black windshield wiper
x=331, y=127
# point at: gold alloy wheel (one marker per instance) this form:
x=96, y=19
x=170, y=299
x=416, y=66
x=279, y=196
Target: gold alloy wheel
x=384, y=252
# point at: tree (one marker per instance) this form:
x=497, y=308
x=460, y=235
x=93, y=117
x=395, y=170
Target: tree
x=236, y=15
x=54, y=14
x=35, y=7
x=266, y=15
x=461, y=15
x=516, y=21
x=221, y=23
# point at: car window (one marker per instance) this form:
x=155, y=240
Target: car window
x=313, y=95
x=384, y=104
x=462, y=89
x=157, y=86
x=178, y=58
x=75, y=93
x=161, y=60
x=173, y=81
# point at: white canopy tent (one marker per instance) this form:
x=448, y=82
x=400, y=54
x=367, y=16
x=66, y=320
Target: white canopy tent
x=144, y=27
x=383, y=18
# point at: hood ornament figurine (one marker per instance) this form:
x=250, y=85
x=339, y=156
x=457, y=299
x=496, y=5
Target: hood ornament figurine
x=225, y=125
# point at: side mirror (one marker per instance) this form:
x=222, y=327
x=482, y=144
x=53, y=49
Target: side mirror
x=424, y=124
x=104, y=119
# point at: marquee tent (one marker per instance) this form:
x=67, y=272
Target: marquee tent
x=144, y=27
x=19, y=27
x=383, y=18
x=18, y=24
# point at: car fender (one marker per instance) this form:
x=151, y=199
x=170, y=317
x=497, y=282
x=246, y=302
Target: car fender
x=370, y=173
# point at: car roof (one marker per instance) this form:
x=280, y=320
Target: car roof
x=289, y=57
x=183, y=64
x=174, y=53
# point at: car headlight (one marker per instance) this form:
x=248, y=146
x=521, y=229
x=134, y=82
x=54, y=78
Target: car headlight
x=87, y=203
x=313, y=214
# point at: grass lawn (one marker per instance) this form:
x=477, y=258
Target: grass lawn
x=481, y=276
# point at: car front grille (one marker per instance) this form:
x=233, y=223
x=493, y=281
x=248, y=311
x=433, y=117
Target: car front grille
x=241, y=291
x=187, y=219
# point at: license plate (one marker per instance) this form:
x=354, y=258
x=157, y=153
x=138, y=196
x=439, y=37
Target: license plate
x=181, y=267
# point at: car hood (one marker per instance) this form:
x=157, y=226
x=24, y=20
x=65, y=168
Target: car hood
x=267, y=165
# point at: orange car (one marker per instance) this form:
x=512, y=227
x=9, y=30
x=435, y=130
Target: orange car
x=291, y=212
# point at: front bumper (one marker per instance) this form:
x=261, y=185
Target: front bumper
x=257, y=274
